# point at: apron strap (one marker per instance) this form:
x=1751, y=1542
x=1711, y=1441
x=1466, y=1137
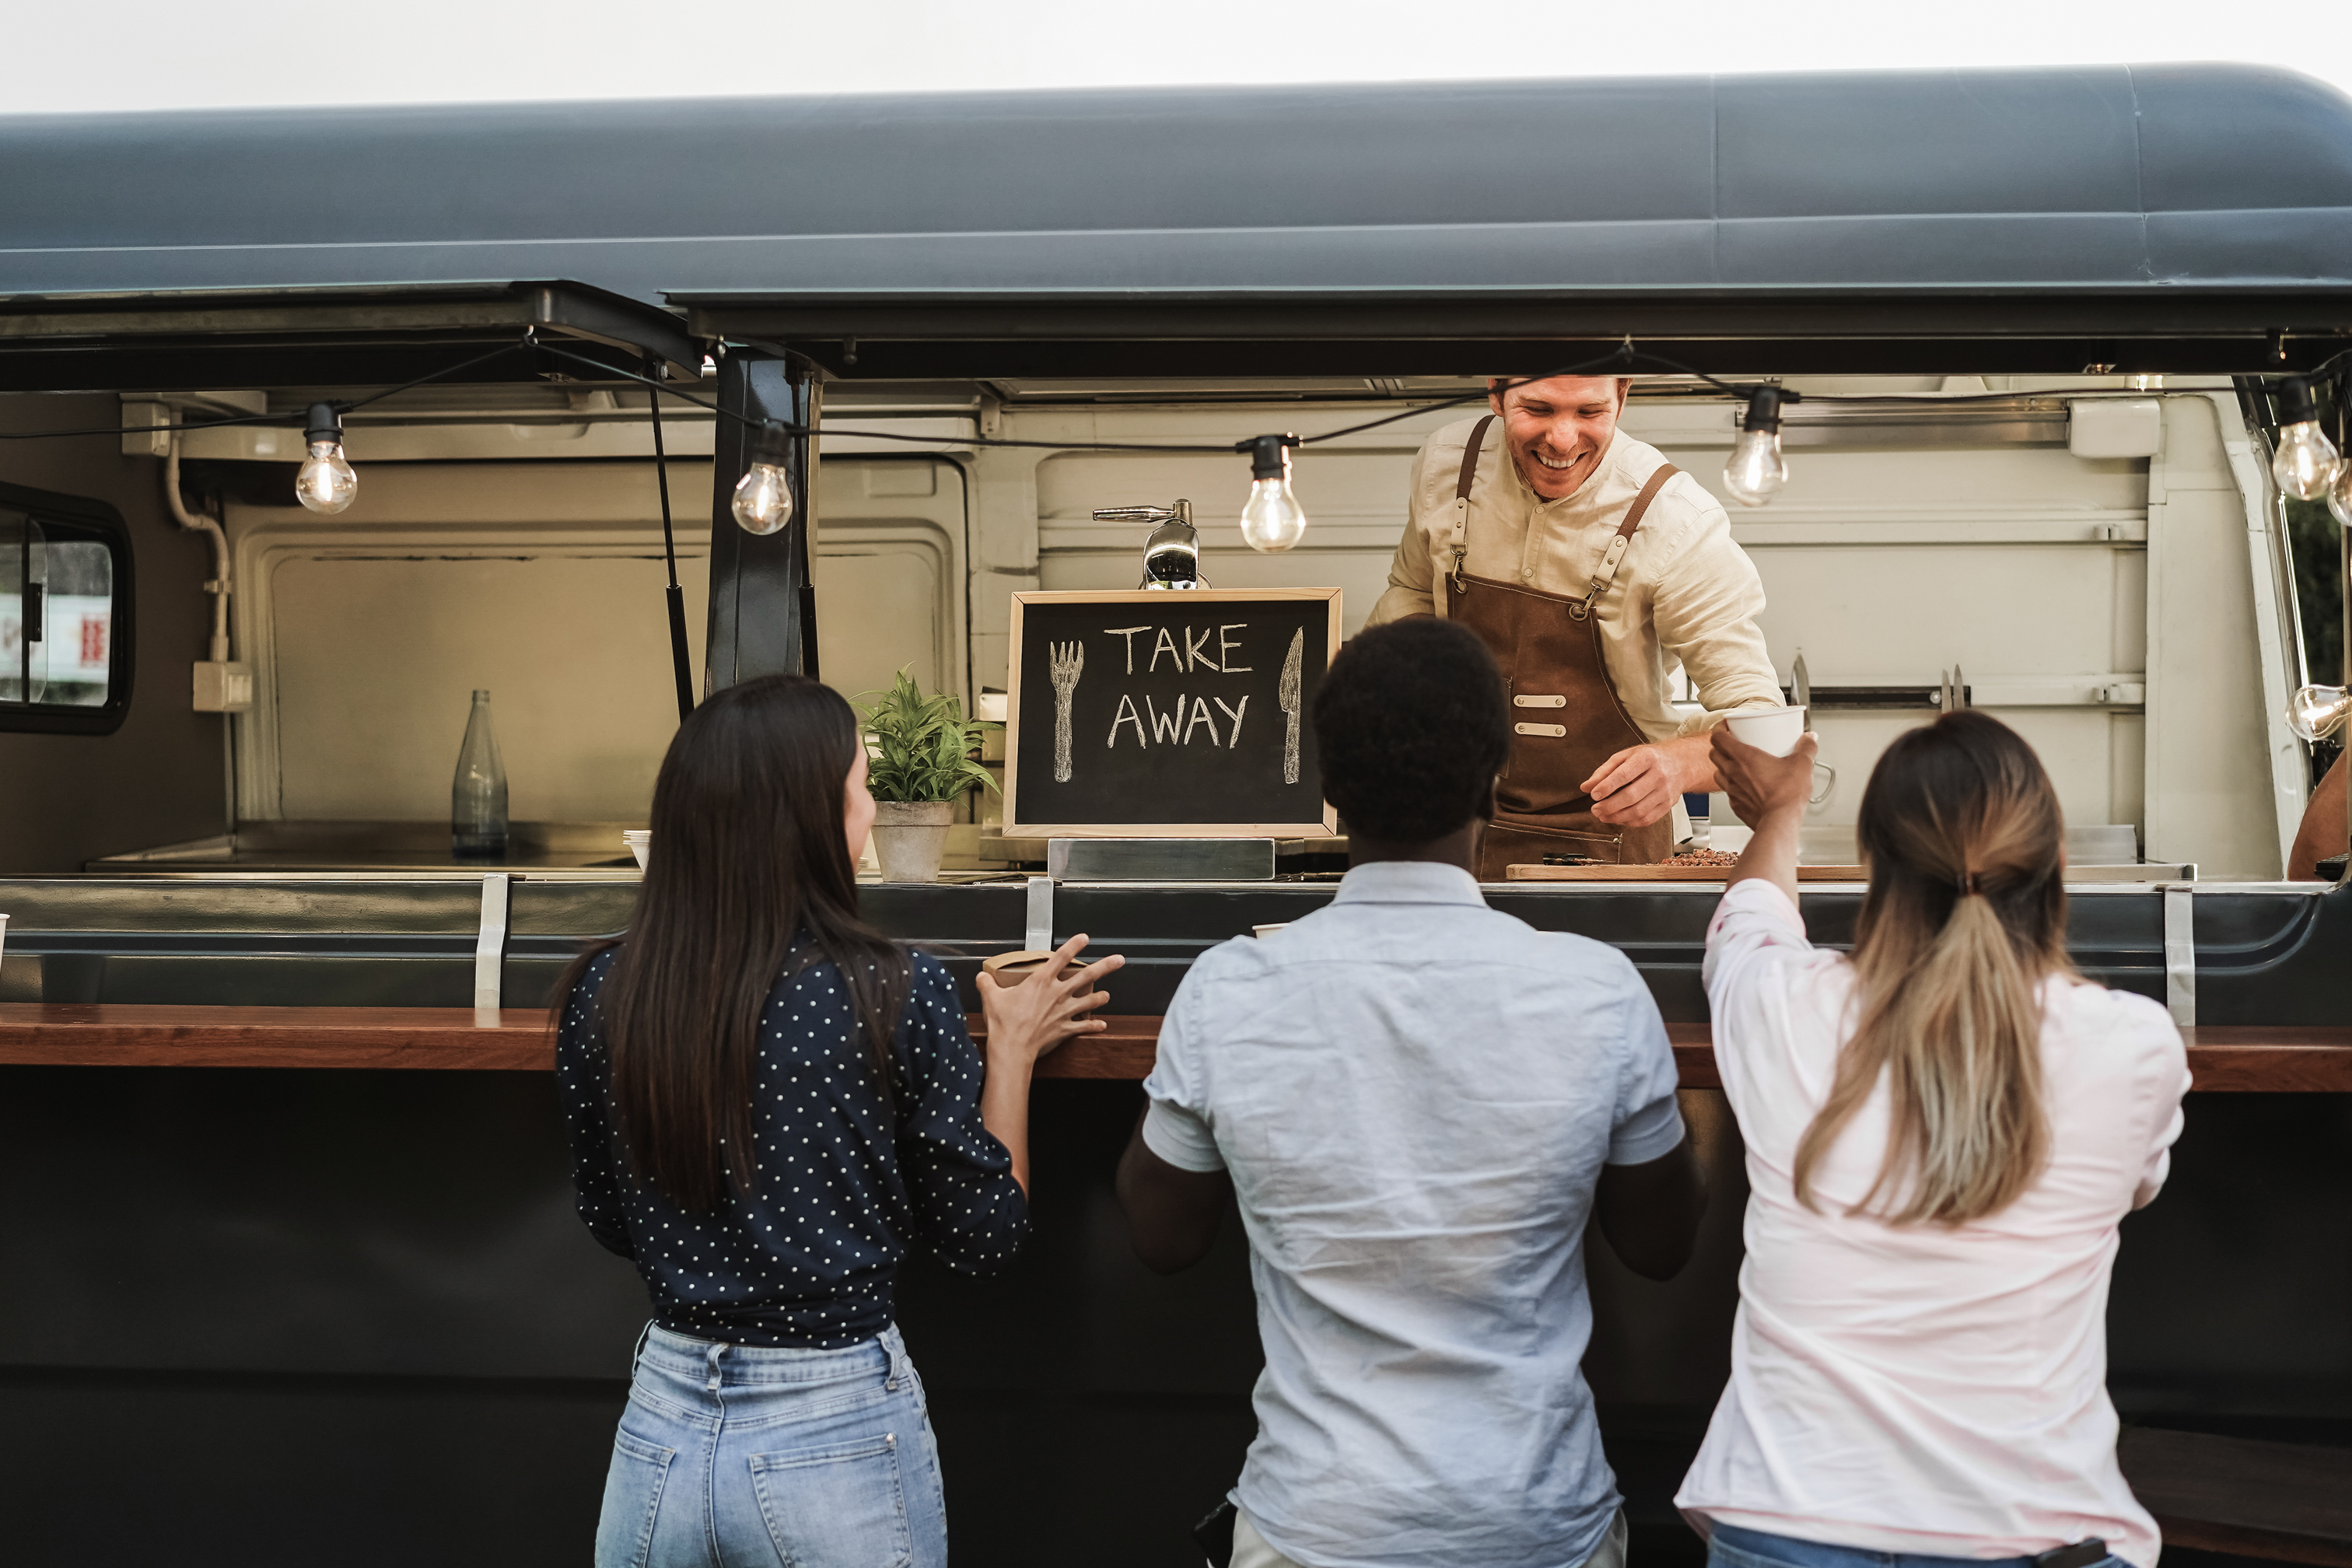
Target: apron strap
x=1457, y=547
x=1579, y=609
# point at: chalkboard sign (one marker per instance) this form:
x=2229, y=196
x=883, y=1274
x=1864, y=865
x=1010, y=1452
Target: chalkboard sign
x=1167, y=713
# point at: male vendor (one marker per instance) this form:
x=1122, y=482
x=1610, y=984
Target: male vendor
x=1417, y=1103
x=1590, y=566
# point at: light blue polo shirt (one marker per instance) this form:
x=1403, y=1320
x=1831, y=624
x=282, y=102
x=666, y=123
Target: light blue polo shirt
x=1416, y=1095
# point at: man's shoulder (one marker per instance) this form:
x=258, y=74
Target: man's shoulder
x=1680, y=501
x=1449, y=440
x=1236, y=960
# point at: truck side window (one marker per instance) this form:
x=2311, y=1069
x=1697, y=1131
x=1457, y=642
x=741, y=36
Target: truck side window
x=65, y=614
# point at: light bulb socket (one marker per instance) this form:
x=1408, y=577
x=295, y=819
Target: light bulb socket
x=2292, y=402
x=1269, y=454
x=323, y=425
x=1764, y=409
x=771, y=443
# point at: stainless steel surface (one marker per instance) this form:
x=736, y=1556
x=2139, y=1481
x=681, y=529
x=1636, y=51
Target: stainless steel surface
x=396, y=847
x=1159, y=859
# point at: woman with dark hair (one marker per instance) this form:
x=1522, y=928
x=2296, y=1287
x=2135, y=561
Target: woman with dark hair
x=1944, y=1129
x=770, y=1102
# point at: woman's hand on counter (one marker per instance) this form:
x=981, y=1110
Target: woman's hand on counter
x=1026, y=1020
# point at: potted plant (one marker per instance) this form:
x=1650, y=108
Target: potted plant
x=920, y=755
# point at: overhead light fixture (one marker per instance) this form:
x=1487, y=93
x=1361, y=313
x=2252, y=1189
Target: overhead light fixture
x=1757, y=470
x=325, y=483
x=2316, y=712
x=2340, y=495
x=764, y=500
x=1272, y=518
x=2305, y=462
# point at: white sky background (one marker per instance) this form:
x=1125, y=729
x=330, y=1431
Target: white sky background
x=171, y=54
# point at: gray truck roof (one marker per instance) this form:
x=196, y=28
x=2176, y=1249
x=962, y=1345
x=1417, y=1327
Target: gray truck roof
x=974, y=218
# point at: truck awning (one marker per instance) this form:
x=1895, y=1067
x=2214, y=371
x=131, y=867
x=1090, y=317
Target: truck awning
x=2169, y=217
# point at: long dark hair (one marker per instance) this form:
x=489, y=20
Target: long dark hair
x=748, y=850
x=1964, y=917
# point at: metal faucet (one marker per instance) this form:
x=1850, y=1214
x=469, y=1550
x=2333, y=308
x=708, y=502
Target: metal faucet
x=1172, y=556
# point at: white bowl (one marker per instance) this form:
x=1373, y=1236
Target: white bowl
x=1774, y=731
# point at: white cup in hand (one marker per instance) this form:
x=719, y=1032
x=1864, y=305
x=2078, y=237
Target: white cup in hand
x=1773, y=731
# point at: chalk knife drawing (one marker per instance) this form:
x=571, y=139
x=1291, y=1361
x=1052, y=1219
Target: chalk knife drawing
x=1067, y=659
x=1288, y=697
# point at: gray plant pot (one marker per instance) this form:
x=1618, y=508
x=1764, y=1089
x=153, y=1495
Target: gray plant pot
x=909, y=838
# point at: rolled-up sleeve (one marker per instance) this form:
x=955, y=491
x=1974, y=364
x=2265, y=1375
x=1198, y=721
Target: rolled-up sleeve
x=1177, y=1125
x=1648, y=1121
x=1705, y=608
x=967, y=1209
x=1411, y=576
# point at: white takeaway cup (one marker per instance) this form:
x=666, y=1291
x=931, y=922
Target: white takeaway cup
x=1774, y=731
x=637, y=838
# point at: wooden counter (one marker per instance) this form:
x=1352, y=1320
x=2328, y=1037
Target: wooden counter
x=2279, y=1059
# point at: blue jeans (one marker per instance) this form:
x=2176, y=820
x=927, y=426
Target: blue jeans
x=735, y=1455
x=1731, y=1547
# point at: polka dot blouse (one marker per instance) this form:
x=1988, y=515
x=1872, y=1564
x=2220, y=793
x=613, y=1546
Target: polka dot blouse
x=842, y=1187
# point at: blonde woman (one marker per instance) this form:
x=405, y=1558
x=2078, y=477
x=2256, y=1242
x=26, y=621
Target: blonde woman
x=1943, y=1131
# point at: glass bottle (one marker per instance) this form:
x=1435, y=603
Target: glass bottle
x=477, y=797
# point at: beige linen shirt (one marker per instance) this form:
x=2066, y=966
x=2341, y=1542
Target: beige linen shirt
x=1684, y=593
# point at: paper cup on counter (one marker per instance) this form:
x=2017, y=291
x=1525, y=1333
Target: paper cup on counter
x=1774, y=731
x=4, y=937
x=1012, y=968
x=637, y=839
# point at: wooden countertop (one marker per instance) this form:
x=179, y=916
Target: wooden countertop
x=2288, y=1059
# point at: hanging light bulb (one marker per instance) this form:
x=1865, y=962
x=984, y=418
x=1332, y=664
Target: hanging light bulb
x=2340, y=495
x=764, y=500
x=1757, y=470
x=2306, y=462
x=325, y=482
x=2316, y=712
x=1271, y=520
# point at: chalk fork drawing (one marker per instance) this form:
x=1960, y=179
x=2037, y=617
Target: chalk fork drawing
x=1288, y=697
x=1067, y=659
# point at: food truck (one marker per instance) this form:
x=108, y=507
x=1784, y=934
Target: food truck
x=291, y=1267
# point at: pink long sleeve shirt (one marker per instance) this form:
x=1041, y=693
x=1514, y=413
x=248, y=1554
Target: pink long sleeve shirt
x=1923, y=1388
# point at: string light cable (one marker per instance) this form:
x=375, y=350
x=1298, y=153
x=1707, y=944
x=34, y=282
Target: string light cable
x=2306, y=463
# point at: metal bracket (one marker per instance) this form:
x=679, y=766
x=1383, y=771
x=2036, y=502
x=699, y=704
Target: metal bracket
x=491, y=951
x=1040, y=935
x=2180, y=954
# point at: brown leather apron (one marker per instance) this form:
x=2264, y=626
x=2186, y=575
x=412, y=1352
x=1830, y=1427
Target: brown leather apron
x=1566, y=718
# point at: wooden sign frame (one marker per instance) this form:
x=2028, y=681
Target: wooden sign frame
x=1325, y=826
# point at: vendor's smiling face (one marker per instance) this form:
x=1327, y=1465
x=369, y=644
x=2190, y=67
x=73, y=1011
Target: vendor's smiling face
x=1558, y=430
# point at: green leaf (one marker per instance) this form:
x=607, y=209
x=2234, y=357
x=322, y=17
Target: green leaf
x=920, y=748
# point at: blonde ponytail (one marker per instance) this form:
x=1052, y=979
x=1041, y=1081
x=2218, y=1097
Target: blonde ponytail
x=1964, y=920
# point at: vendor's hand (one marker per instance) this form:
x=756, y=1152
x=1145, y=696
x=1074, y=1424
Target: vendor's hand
x=1031, y=1019
x=1638, y=786
x=1761, y=784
